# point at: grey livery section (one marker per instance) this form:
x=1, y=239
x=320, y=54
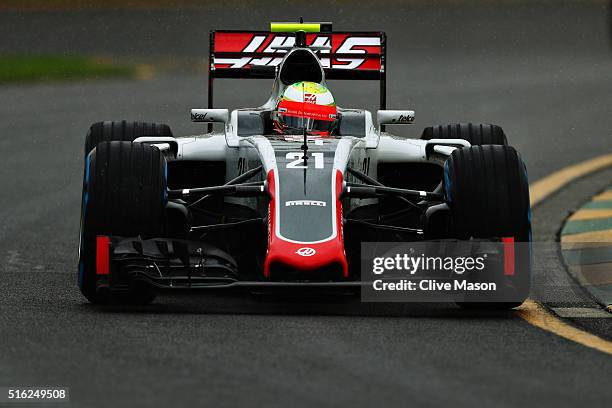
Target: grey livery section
x=305, y=191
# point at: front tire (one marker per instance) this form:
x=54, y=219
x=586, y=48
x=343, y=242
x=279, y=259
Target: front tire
x=488, y=192
x=124, y=194
x=488, y=195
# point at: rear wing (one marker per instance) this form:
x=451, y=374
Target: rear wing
x=253, y=54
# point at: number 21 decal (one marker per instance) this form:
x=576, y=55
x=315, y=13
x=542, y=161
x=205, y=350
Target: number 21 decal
x=297, y=160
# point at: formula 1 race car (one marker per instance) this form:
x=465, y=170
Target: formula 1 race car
x=282, y=197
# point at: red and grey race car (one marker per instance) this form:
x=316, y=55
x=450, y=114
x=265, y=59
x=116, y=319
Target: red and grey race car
x=285, y=194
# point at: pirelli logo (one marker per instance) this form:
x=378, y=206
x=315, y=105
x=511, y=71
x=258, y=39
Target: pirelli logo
x=313, y=203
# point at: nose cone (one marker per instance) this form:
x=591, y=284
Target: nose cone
x=310, y=245
x=322, y=261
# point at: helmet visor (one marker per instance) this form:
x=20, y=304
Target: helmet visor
x=311, y=117
x=295, y=122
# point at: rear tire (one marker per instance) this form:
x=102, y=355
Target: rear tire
x=124, y=194
x=477, y=134
x=123, y=131
x=488, y=194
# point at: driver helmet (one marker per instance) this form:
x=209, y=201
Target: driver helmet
x=306, y=106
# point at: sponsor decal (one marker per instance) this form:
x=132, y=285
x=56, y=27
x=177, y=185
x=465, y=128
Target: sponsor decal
x=198, y=117
x=306, y=251
x=314, y=203
x=404, y=119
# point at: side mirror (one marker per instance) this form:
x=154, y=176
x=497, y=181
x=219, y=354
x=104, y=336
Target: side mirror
x=395, y=117
x=163, y=143
x=210, y=115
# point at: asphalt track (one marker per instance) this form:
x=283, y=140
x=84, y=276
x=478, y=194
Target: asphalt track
x=542, y=72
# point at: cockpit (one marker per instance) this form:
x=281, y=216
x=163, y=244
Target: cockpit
x=254, y=122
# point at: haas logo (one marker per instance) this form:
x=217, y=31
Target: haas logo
x=310, y=98
x=352, y=51
x=306, y=251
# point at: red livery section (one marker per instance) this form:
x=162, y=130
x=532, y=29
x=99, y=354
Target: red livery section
x=308, y=110
x=349, y=51
x=304, y=256
x=509, y=258
x=102, y=255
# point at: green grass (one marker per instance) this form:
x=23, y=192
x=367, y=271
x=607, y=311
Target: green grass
x=21, y=68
